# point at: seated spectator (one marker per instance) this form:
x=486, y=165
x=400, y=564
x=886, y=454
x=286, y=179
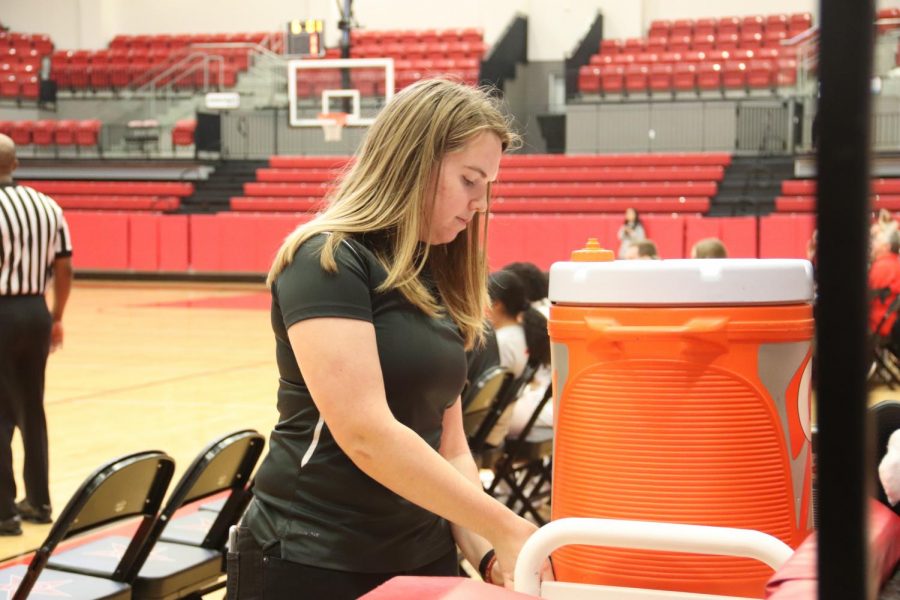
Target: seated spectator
x=522, y=336
x=709, y=248
x=885, y=222
x=537, y=285
x=884, y=280
x=643, y=250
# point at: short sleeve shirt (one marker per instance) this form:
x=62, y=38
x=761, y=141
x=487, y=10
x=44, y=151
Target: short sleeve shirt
x=309, y=495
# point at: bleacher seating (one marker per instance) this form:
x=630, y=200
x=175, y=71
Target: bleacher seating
x=21, y=55
x=45, y=132
x=799, y=195
x=428, y=52
x=115, y=195
x=134, y=60
x=705, y=55
x=656, y=183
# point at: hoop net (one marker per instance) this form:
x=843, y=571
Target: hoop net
x=332, y=125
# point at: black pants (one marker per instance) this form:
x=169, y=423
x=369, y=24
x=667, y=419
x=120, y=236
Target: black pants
x=25, y=326
x=255, y=573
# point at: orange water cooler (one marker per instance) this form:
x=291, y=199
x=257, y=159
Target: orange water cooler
x=683, y=397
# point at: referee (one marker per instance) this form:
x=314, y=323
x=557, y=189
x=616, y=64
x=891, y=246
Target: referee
x=34, y=244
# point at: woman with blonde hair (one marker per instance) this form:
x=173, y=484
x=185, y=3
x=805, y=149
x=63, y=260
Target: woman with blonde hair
x=374, y=302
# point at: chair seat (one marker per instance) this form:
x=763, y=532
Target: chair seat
x=190, y=529
x=538, y=444
x=60, y=584
x=170, y=569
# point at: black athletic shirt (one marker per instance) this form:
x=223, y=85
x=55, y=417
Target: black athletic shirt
x=308, y=494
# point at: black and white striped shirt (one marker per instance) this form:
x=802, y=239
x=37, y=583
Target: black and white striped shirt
x=33, y=233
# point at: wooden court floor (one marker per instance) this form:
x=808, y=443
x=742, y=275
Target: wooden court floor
x=151, y=366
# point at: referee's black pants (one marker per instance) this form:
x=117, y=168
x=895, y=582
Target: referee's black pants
x=25, y=325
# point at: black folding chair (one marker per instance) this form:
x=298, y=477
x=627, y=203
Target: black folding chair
x=190, y=562
x=526, y=465
x=480, y=396
x=885, y=368
x=128, y=487
x=509, y=392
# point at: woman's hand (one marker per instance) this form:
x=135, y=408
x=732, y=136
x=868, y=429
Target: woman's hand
x=507, y=549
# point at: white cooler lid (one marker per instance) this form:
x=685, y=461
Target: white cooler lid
x=682, y=282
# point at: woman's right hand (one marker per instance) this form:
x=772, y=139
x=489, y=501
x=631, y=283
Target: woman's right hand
x=508, y=546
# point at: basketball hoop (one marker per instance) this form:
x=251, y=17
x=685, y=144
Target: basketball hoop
x=332, y=125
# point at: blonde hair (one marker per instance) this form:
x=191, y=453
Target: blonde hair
x=391, y=188
x=709, y=248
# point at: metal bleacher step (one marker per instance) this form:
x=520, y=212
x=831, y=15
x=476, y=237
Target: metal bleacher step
x=227, y=181
x=750, y=185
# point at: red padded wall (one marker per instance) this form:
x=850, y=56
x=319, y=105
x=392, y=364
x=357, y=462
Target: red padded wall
x=143, y=242
x=666, y=231
x=174, y=248
x=99, y=239
x=239, y=242
x=739, y=234
x=785, y=236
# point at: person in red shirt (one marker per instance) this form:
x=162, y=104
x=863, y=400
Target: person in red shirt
x=884, y=274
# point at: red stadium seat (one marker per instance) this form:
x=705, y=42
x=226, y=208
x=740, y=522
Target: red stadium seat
x=657, y=44
x=646, y=58
x=660, y=28
x=682, y=27
x=635, y=45
x=777, y=22
x=43, y=132
x=734, y=75
x=703, y=42
x=787, y=72
x=799, y=23
x=30, y=87
x=705, y=26
x=610, y=46
x=21, y=132
x=636, y=78
x=42, y=43
x=694, y=56
x=727, y=41
x=589, y=79
x=709, y=76
x=680, y=43
x=751, y=40
x=87, y=132
x=612, y=79
x=684, y=77
x=752, y=24
x=660, y=77
x=671, y=58
x=9, y=86
x=64, y=135
x=759, y=74
x=728, y=26
x=772, y=39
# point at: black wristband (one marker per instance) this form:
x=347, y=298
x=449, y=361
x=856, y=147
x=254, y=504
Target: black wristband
x=485, y=561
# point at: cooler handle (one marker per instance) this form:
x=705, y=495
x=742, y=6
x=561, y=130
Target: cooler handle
x=707, y=329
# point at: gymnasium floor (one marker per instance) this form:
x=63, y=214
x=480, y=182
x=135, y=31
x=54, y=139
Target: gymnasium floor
x=151, y=366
